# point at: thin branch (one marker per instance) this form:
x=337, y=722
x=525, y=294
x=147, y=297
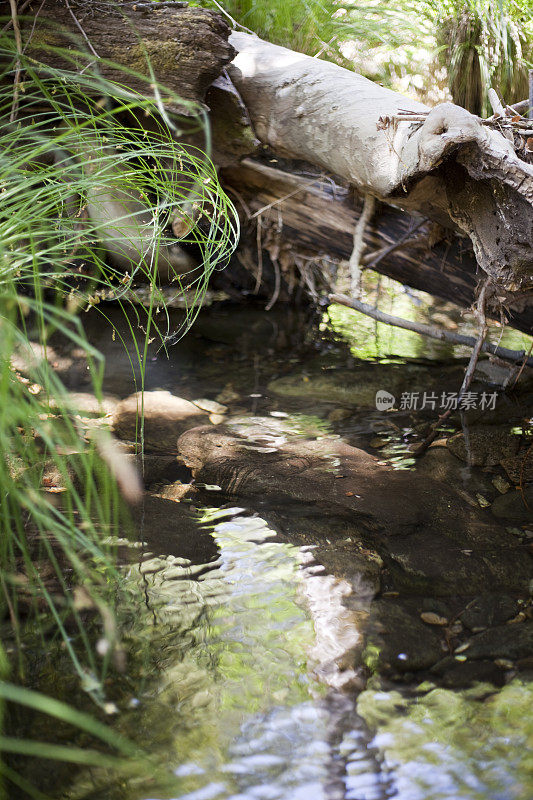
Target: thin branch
x=277, y=285
x=429, y=330
x=372, y=259
x=259, y=275
x=78, y=25
x=282, y=199
x=523, y=105
x=33, y=26
x=520, y=371
x=482, y=325
x=9, y=23
x=354, y=263
x=469, y=373
x=234, y=22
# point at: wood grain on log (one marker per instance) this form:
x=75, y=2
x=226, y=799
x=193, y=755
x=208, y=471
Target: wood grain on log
x=187, y=48
x=318, y=218
x=309, y=109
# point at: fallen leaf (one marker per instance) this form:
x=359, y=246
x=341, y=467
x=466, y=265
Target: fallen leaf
x=433, y=619
x=520, y=617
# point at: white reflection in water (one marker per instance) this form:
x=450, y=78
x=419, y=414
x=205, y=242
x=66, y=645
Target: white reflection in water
x=267, y=631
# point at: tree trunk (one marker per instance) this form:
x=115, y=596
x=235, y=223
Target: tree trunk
x=318, y=218
x=443, y=163
x=186, y=48
x=446, y=164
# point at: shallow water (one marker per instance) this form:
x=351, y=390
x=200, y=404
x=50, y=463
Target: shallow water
x=254, y=614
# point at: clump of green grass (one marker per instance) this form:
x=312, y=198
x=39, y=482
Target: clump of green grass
x=484, y=44
x=319, y=27
x=65, y=138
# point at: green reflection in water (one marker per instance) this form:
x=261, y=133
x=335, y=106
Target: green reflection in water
x=371, y=339
x=456, y=745
x=228, y=648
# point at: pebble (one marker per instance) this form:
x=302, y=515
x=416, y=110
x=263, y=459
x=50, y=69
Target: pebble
x=211, y=406
x=430, y=618
x=501, y=484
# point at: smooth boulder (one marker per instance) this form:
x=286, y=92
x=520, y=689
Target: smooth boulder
x=165, y=418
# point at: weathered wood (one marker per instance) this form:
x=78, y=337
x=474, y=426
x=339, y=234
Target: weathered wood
x=318, y=218
x=187, y=48
x=451, y=166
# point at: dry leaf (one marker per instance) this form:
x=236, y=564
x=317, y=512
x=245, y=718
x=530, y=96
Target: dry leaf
x=433, y=619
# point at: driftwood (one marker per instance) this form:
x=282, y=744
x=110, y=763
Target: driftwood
x=447, y=164
x=318, y=218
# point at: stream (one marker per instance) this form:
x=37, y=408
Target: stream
x=281, y=652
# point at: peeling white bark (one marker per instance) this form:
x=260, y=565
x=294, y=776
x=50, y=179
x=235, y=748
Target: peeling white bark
x=309, y=109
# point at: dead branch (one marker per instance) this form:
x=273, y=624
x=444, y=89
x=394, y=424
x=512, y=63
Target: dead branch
x=429, y=330
x=369, y=204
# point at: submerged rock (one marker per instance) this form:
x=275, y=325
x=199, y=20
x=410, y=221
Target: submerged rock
x=489, y=609
x=165, y=418
x=211, y=406
x=431, y=540
x=484, y=445
x=357, y=386
x=397, y=641
x=512, y=641
x=515, y=506
x=87, y=404
x=519, y=468
x=455, y=674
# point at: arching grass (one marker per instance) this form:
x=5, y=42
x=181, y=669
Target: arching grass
x=67, y=142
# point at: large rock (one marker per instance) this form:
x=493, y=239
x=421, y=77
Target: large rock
x=431, y=540
x=165, y=418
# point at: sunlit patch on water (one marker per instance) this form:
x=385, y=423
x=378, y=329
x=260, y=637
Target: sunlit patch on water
x=250, y=646
x=446, y=745
x=254, y=649
x=255, y=644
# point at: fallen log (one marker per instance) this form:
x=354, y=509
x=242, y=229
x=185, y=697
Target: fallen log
x=318, y=217
x=186, y=48
x=443, y=162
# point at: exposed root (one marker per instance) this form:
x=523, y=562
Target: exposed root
x=354, y=263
